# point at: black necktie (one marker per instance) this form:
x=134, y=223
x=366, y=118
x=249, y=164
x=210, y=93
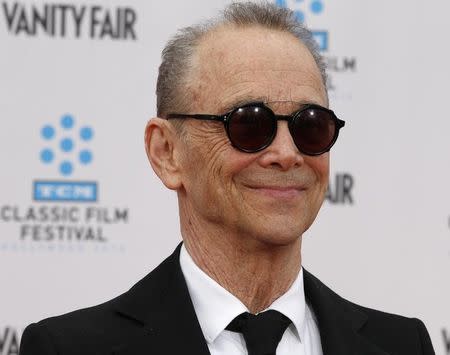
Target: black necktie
x=262, y=332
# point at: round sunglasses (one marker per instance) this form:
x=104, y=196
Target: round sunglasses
x=253, y=127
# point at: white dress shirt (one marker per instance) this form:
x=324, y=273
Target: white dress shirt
x=215, y=308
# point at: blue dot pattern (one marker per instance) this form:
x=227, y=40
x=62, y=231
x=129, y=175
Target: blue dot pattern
x=67, y=121
x=47, y=132
x=47, y=156
x=281, y=3
x=300, y=16
x=66, y=168
x=67, y=145
x=86, y=133
x=316, y=7
x=85, y=157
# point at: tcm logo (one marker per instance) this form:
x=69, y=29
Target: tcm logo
x=9, y=341
x=82, y=191
x=65, y=149
x=302, y=10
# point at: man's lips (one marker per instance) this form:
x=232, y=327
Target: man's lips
x=278, y=191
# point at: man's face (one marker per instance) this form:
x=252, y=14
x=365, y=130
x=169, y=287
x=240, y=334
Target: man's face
x=271, y=196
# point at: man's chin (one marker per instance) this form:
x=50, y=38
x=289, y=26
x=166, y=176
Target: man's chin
x=275, y=239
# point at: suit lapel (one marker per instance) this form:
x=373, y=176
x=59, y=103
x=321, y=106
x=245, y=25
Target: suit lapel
x=161, y=306
x=339, y=321
x=166, y=322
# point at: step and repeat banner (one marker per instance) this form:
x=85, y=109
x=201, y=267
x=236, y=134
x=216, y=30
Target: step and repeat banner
x=83, y=216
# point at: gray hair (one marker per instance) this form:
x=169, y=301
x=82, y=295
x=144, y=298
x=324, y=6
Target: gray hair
x=177, y=55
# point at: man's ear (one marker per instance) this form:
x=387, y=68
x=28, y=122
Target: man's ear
x=160, y=139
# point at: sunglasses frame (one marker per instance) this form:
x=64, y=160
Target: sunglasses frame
x=225, y=118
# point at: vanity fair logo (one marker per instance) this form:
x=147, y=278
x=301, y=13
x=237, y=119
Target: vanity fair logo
x=56, y=20
x=9, y=341
x=340, y=189
x=446, y=338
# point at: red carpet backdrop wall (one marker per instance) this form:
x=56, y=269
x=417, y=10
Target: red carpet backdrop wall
x=83, y=217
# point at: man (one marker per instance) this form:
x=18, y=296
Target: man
x=243, y=135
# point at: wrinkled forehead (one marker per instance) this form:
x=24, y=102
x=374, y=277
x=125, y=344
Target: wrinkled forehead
x=233, y=65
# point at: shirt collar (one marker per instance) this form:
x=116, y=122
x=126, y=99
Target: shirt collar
x=215, y=307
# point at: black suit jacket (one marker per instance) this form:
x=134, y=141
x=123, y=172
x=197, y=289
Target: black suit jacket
x=156, y=317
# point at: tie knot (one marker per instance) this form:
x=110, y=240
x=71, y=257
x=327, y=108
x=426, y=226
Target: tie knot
x=262, y=332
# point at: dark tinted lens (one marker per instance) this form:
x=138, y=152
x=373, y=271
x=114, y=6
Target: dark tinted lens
x=251, y=128
x=313, y=130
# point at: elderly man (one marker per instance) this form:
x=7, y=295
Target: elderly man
x=243, y=135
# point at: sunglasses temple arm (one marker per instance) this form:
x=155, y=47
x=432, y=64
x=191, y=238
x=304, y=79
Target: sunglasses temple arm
x=197, y=117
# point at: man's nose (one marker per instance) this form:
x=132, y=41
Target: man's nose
x=282, y=154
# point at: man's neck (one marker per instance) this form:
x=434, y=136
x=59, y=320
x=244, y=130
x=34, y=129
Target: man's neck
x=256, y=273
